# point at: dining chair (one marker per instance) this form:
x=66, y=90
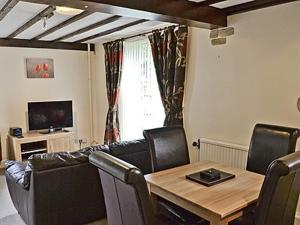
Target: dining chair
x=279, y=195
x=125, y=191
x=168, y=149
x=270, y=142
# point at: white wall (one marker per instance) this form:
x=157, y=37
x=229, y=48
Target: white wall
x=254, y=78
x=70, y=83
x=100, y=103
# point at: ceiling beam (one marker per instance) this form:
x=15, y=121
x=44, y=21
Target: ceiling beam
x=249, y=6
x=111, y=31
x=9, y=5
x=45, y=13
x=63, y=24
x=173, y=11
x=12, y=42
x=90, y=27
x=210, y=2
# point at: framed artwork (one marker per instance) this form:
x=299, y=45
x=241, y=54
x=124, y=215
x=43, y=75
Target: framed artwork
x=39, y=68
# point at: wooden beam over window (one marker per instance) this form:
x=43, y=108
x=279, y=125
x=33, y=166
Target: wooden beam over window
x=9, y=5
x=249, y=6
x=12, y=42
x=63, y=24
x=111, y=31
x=90, y=27
x=45, y=13
x=174, y=11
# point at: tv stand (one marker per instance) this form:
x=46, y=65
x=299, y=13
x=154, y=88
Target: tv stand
x=33, y=143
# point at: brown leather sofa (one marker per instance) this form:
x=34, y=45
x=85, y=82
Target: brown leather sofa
x=64, y=188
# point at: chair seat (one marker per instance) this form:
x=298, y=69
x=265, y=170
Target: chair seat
x=177, y=214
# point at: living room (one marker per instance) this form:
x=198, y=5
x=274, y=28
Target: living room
x=229, y=87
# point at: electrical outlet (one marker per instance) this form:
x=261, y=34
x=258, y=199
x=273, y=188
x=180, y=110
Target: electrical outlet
x=81, y=141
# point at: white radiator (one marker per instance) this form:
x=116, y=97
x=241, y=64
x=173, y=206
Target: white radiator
x=226, y=153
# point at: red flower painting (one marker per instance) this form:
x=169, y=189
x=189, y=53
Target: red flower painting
x=39, y=68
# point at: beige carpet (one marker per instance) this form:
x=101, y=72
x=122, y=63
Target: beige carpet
x=14, y=219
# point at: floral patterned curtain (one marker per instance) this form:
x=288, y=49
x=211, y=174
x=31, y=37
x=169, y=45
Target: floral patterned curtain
x=113, y=66
x=169, y=55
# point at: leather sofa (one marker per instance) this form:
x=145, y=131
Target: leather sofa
x=64, y=188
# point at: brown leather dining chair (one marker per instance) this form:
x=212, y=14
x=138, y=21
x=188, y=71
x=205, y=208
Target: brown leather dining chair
x=168, y=149
x=279, y=195
x=270, y=142
x=125, y=191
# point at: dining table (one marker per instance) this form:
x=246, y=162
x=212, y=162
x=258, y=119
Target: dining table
x=219, y=204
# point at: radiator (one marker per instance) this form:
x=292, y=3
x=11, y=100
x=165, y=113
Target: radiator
x=226, y=153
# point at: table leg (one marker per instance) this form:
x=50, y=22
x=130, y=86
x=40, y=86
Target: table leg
x=153, y=199
x=225, y=221
x=219, y=222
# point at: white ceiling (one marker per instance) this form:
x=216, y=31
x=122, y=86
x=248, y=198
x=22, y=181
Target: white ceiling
x=229, y=3
x=226, y=3
x=25, y=11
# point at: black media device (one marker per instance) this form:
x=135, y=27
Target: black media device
x=15, y=131
x=50, y=116
x=210, y=177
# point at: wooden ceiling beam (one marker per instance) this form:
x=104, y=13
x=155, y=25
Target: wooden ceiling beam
x=90, y=27
x=173, y=11
x=111, y=31
x=45, y=13
x=249, y=6
x=63, y=24
x=12, y=42
x=9, y=5
x=210, y=2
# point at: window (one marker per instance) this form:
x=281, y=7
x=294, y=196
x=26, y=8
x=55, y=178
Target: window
x=140, y=105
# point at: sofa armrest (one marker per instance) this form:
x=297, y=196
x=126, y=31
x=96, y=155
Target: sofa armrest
x=17, y=172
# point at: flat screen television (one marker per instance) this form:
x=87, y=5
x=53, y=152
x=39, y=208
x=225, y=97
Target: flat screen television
x=50, y=115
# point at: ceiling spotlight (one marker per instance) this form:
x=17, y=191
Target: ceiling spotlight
x=68, y=11
x=45, y=18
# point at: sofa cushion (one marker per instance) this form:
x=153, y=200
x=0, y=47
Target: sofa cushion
x=40, y=162
x=128, y=147
x=16, y=170
x=134, y=152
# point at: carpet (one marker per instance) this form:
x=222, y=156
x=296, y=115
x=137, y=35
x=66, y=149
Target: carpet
x=14, y=219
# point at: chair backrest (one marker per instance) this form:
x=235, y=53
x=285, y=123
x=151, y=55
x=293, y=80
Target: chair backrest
x=279, y=195
x=168, y=147
x=268, y=143
x=125, y=191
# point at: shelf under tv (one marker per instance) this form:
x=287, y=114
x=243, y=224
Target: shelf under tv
x=36, y=143
x=34, y=151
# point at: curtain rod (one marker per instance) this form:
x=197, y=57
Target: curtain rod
x=144, y=34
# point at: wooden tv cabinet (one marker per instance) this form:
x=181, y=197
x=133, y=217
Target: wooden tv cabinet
x=34, y=143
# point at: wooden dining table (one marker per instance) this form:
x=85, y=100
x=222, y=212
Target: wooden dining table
x=219, y=204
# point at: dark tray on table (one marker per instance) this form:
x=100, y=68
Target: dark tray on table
x=210, y=177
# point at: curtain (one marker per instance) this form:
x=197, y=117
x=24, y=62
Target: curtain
x=169, y=56
x=113, y=67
